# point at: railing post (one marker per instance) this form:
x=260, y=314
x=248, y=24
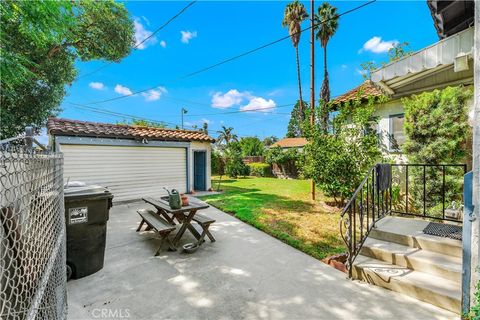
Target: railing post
x=443, y=192
x=424, y=190
x=406, y=189
x=468, y=218
x=350, y=245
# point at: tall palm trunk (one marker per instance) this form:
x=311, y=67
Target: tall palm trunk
x=325, y=92
x=299, y=84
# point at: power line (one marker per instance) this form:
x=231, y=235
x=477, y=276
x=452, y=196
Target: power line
x=144, y=40
x=234, y=57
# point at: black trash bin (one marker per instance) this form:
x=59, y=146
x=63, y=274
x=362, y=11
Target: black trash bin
x=86, y=214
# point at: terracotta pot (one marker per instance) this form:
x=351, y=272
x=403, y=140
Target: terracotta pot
x=184, y=200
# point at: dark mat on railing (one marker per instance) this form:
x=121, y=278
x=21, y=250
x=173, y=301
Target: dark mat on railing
x=444, y=230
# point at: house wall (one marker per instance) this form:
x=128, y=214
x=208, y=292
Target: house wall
x=201, y=146
x=384, y=112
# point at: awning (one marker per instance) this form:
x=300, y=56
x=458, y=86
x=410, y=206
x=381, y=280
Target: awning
x=442, y=53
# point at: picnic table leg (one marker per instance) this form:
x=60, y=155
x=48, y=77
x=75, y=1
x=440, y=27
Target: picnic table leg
x=140, y=225
x=185, y=224
x=166, y=216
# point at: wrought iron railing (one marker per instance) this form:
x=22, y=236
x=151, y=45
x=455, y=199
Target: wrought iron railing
x=428, y=191
x=432, y=191
x=368, y=204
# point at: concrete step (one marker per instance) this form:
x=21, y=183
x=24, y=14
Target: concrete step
x=433, y=289
x=409, y=232
x=444, y=266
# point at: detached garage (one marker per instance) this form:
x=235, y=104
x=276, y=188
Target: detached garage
x=132, y=161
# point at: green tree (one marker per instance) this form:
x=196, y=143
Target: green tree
x=226, y=136
x=205, y=128
x=143, y=123
x=326, y=24
x=399, y=51
x=337, y=162
x=268, y=141
x=295, y=13
x=296, y=126
x=234, y=165
x=40, y=41
x=251, y=146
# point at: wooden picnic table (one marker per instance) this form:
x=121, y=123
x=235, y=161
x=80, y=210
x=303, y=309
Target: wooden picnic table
x=184, y=216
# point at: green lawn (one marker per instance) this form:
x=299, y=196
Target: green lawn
x=283, y=209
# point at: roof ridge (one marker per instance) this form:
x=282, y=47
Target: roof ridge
x=118, y=124
x=63, y=126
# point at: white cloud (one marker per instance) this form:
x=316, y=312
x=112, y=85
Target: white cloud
x=377, y=45
x=344, y=66
x=228, y=99
x=96, y=85
x=141, y=34
x=163, y=44
x=146, y=20
x=188, y=35
x=122, y=90
x=154, y=94
x=259, y=104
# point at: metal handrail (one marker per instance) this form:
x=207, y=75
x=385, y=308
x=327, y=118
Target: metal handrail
x=372, y=201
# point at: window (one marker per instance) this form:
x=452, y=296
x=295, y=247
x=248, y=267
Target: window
x=397, y=135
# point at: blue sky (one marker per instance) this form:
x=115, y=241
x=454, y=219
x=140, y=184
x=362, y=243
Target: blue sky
x=209, y=32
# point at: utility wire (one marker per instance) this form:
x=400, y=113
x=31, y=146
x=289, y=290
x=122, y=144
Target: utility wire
x=144, y=40
x=235, y=57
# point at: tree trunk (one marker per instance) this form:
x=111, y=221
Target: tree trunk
x=325, y=93
x=299, y=84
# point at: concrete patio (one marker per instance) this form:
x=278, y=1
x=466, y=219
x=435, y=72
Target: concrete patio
x=246, y=274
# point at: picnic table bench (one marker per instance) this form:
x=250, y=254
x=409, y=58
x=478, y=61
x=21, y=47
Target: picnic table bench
x=154, y=221
x=184, y=216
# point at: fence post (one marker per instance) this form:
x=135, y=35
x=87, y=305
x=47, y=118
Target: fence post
x=468, y=218
x=29, y=137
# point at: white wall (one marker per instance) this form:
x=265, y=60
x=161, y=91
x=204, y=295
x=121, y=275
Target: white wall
x=201, y=146
x=383, y=112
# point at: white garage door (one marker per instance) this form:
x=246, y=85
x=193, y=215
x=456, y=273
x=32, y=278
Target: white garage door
x=129, y=172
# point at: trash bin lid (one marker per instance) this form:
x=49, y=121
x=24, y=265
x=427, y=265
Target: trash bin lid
x=90, y=190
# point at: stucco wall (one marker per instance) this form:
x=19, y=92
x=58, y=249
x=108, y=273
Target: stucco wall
x=383, y=112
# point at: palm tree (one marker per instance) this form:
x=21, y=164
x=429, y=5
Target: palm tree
x=295, y=14
x=326, y=25
x=226, y=135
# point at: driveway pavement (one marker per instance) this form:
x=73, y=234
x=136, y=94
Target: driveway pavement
x=246, y=274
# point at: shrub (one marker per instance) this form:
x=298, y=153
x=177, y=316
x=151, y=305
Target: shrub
x=234, y=165
x=437, y=130
x=259, y=169
x=218, y=163
x=338, y=161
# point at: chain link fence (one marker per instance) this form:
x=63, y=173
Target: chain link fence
x=32, y=232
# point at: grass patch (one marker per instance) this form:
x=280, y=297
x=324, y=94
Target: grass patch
x=283, y=209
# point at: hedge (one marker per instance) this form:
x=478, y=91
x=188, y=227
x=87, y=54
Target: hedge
x=259, y=169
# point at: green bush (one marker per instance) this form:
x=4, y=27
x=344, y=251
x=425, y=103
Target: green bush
x=234, y=165
x=338, y=161
x=218, y=163
x=437, y=131
x=259, y=169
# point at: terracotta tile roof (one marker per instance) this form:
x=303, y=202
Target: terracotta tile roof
x=363, y=91
x=290, y=143
x=57, y=126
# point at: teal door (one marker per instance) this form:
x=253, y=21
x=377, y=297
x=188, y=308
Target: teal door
x=199, y=171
